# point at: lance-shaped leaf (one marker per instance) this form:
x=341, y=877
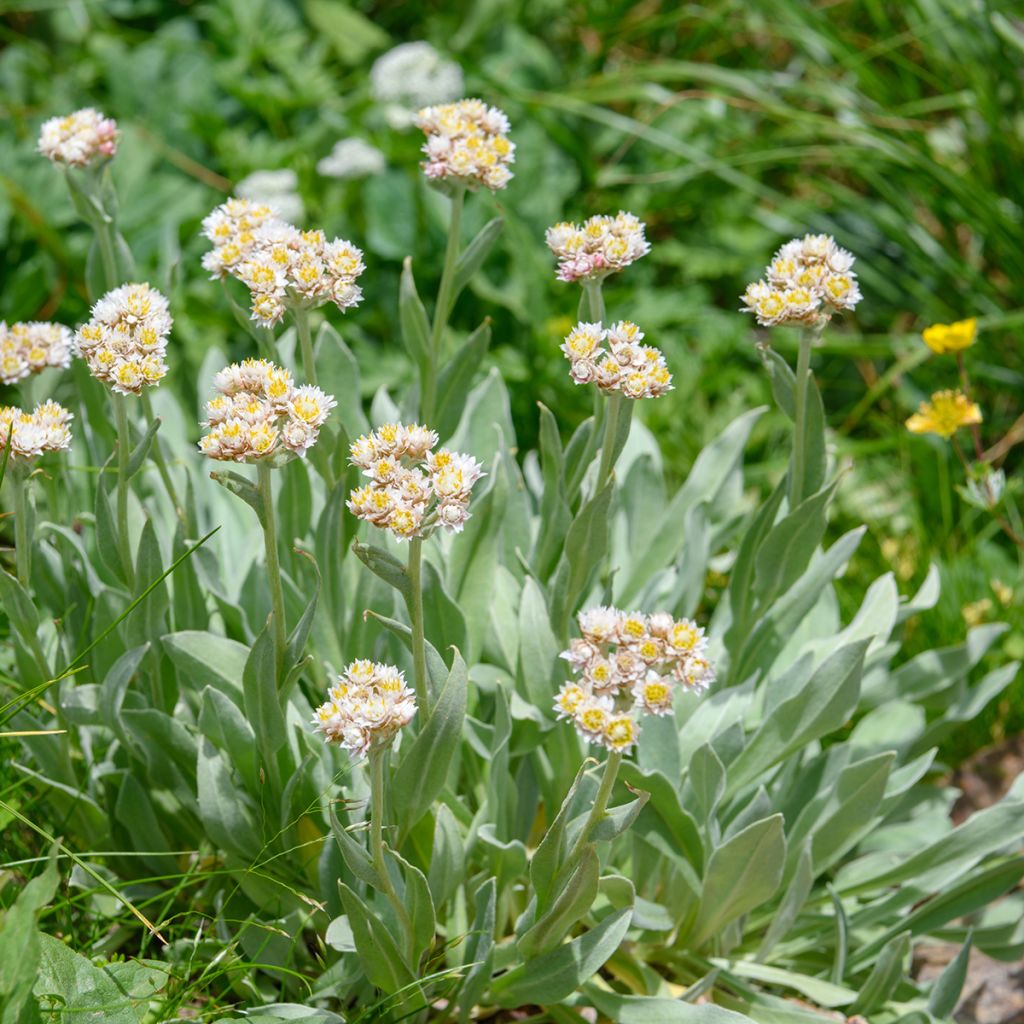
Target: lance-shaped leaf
x=384, y=565
x=887, y=973
x=572, y=904
x=479, y=949
x=262, y=704
x=413, y=318
x=472, y=257
x=456, y=378
x=240, y=487
x=742, y=873
x=421, y=775
x=375, y=946
x=551, y=977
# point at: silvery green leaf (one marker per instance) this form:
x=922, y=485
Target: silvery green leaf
x=423, y=768
x=945, y=993
x=471, y=258
x=885, y=976
x=385, y=566
x=456, y=378
x=572, y=903
x=376, y=948
x=553, y=976
x=413, y=317
x=742, y=873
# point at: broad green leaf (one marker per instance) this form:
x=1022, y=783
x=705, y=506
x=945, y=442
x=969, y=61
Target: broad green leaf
x=447, y=859
x=792, y=903
x=261, y=701
x=471, y=258
x=823, y=993
x=821, y=706
x=385, y=566
x=456, y=378
x=553, y=976
x=205, y=659
x=355, y=856
x=423, y=769
x=742, y=873
x=223, y=723
x=225, y=815
x=538, y=648
x=546, y=861
x=418, y=902
x=375, y=946
x=479, y=949
x=413, y=317
x=572, y=904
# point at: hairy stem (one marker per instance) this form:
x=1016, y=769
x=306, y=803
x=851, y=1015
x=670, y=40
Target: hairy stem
x=597, y=812
x=305, y=344
x=428, y=403
x=22, y=550
x=273, y=567
x=377, y=847
x=415, y=606
x=803, y=371
x=160, y=461
x=124, y=543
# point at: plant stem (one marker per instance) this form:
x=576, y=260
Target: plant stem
x=22, y=550
x=803, y=371
x=160, y=461
x=104, y=229
x=611, y=428
x=123, y=452
x=966, y=386
x=273, y=567
x=415, y=606
x=428, y=403
x=593, y=300
x=377, y=847
x=305, y=344
x=604, y=792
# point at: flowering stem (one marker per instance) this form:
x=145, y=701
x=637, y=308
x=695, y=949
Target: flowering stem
x=803, y=372
x=104, y=228
x=604, y=792
x=273, y=567
x=160, y=461
x=123, y=453
x=377, y=845
x=22, y=551
x=593, y=300
x=441, y=309
x=611, y=428
x=415, y=606
x=305, y=344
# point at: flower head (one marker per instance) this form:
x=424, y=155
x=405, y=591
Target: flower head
x=954, y=337
x=31, y=347
x=944, y=415
x=258, y=413
x=79, y=139
x=629, y=664
x=411, y=487
x=597, y=247
x=467, y=142
x=366, y=707
x=125, y=341
x=283, y=268
x=626, y=366
x=45, y=429
x=808, y=280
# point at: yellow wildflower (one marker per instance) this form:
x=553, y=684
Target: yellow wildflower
x=944, y=415
x=955, y=337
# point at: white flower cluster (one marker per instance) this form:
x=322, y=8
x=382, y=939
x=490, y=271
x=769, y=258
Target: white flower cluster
x=283, y=267
x=598, y=247
x=258, y=412
x=468, y=142
x=412, y=488
x=410, y=75
x=45, y=429
x=365, y=707
x=31, y=347
x=78, y=139
x=634, y=370
x=809, y=279
x=352, y=158
x=629, y=664
x=125, y=342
